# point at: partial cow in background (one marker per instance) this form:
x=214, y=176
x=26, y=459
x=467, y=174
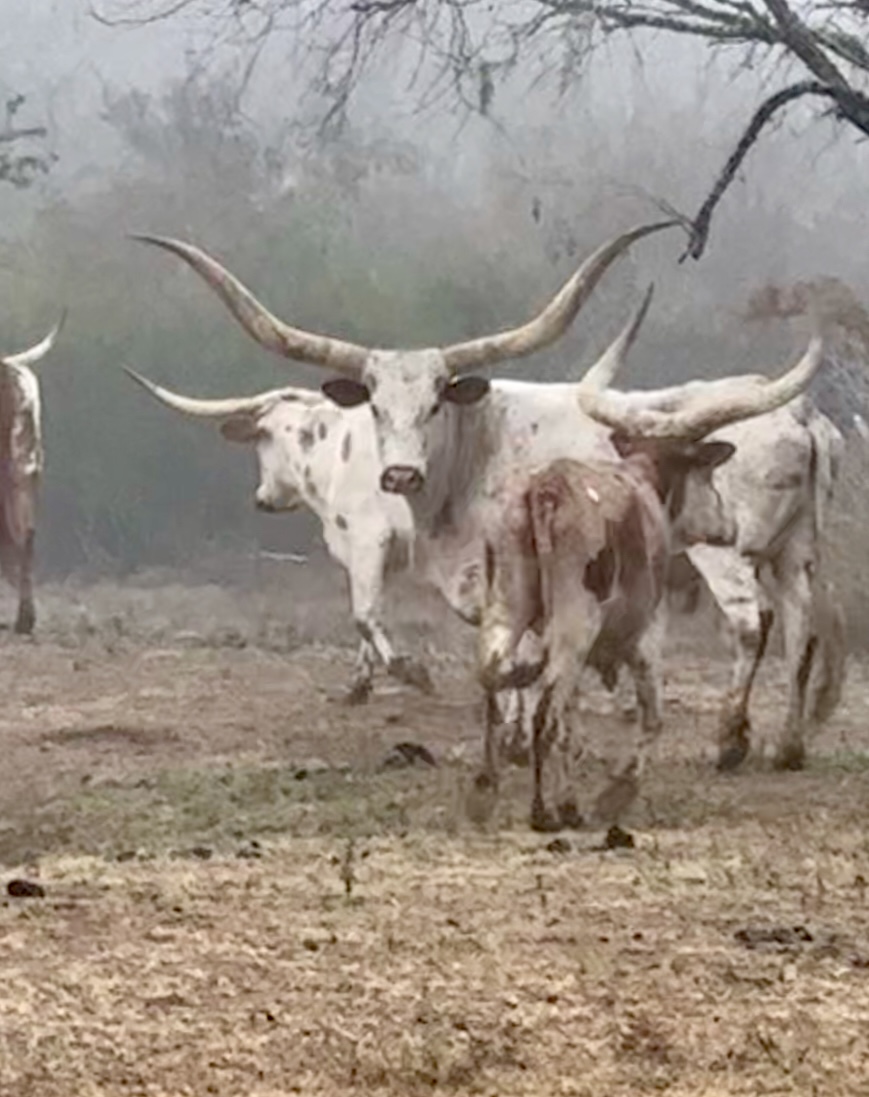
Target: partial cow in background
x=21, y=464
x=314, y=454
x=776, y=493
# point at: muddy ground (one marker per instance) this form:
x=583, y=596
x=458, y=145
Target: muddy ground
x=240, y=900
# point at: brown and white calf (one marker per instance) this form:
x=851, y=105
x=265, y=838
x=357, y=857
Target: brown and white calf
x=21, y=465
x=579, y=556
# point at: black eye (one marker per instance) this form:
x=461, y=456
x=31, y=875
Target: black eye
x=435, y=409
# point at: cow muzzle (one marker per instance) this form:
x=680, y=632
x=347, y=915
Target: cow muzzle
x=402, y=480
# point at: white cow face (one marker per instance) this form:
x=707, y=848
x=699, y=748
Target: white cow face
x=412, y=397
x=273, y=434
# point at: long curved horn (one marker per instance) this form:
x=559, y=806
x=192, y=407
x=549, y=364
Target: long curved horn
x=734, y=399
x=38, y=350
x=268, y=330
x=208, y=409
x=556, y=318
x=601, y=374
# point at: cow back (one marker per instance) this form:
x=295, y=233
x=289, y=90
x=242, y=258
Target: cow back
x=601, y=542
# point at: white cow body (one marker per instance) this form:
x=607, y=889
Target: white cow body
x=314, y=454
x=776, y=492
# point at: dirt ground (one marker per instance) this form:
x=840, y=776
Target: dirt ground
x=240, y=899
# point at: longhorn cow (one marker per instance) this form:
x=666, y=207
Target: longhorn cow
x=775, y=494
x=312, y=453
x=449, y=440
x=21, y=464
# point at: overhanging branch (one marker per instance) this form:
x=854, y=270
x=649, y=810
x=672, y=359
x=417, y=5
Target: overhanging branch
x=762, y=116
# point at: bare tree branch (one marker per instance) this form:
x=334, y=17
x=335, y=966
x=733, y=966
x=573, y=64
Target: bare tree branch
x=470, y=45
x=16, y=167
x=156, y=16
x=764, y=115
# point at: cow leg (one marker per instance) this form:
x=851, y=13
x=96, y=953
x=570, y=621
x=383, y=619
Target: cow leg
x=482, y=797
x=363, y=674
x=795, y=583
x=520, y=705
x=26, y=619
x=829, y=664
x=645, y=663
x=552, y=739
x=542, y=819
x=625, y=697
x=565, y=761
x=366, y=597
x=732, y=579
x=513, y=715
x=553, y=760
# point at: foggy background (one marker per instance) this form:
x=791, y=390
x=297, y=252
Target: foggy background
x=410, y=228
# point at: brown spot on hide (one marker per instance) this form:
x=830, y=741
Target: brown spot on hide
x=341, y=521
x=322, y=430
x=346, y=446
x=306, y=438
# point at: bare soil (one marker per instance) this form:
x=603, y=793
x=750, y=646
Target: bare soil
x=240, y=900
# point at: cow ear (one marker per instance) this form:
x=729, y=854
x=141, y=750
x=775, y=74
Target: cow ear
x=466, y=390
x=345, y=392
x=623, y=444
x=710, y=455
x=240, y=428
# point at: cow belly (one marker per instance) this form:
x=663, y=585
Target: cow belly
x=762, y=525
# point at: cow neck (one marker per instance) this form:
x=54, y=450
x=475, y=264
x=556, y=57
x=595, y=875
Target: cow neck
x=316, y=456
x=442, y=509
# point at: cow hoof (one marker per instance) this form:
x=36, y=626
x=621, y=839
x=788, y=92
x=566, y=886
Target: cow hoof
x=358, y=693
x=26, y=621
x=543, y=821
x=569, y=817
x=790, y=757
x=518, y=756
x=481, y=799
x=515, y=752
x=732, y=757
x=734, y=740
x=411, y=673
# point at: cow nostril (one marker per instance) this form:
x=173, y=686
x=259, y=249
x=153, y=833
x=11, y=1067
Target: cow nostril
x=401, y=479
